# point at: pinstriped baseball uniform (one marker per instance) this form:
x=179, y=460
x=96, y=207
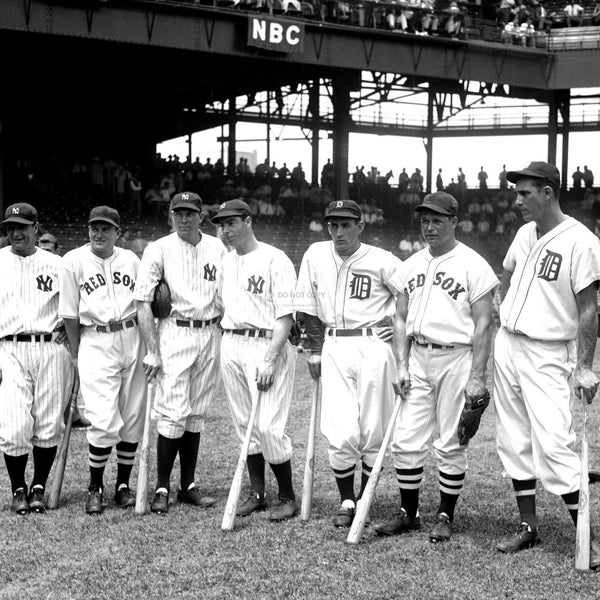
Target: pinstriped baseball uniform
x=257, y=290
x=189, y=376
x=36, y=375
x=99, y=292
x=358, y=371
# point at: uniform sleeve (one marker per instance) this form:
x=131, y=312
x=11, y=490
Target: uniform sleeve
x=305, y=298
x=283, y=277
x=393, y=274
x=481, y=278
x=68, y=284
x=585, y=267
x=510, y=260
x=150, y=272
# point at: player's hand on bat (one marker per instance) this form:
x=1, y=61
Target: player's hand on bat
x=152, y=364
x=586, y=382
x=314, y=366
x=265, y=372
x=402, y=383
x=475, y=387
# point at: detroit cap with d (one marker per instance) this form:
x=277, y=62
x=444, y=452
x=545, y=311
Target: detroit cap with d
x=343, y=208
x=439, y=202
x=104, y=214
x=22, y=213
x=189, y=200
x=537, y=170
x=232, y=208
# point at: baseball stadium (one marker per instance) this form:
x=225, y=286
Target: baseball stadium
x=92, y=88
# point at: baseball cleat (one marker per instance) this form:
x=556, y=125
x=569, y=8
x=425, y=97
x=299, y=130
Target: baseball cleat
x=285, y=509
x=94, y=504
x=124, y=497
x=160, y=503
x=193, y=496
x=594, y=476
x=594, y=554
x=255, y=502
x=399, y=523
x=345, y=514
x=526, y=537
x=442, y=530
x=36, y=500
x=19, y=502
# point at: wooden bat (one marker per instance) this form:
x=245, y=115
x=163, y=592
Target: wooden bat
x=236, y=484
x=364, y=505
x=141, y=496
x=63, y=452
x=309, y=466
x=582, y=539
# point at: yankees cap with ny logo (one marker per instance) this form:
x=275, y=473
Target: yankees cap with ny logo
x=22, y=213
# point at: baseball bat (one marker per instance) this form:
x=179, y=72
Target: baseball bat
x=582, y=539
x=141, y=496
x=236, y=484
x=364, y=505
x=63, y=452
x=309, y=466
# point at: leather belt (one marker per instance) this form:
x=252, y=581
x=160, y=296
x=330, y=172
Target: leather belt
x=434, y=346
x=29, y=337
x=253, y=333
x=351, y=332
x=119, y=326
x=194, y=323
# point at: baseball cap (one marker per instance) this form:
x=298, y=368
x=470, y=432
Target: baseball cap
x=439, y=202
x=232, y=208
x=21, y=212
x=343, y=208
x=105, y=214
x=538, y=170
x=188, y=200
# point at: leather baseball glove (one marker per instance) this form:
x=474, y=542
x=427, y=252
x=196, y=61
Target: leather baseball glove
x=161, y=305
x=471, y=416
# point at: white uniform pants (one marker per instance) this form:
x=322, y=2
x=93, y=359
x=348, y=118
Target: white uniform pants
x=532, y=397
x=433, y=405
x=358, y=397
x=113, y=385
x=240, y=356
x=36, y=382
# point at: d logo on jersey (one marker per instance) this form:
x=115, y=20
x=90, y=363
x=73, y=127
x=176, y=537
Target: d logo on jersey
x=210, y=272
x=550, y=266
x=44, y=284
x=360, y=287
x=256, y=284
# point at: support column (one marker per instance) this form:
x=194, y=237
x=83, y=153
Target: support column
x=342, y=86
x=552, y=128
x=2, y=167
x=314, y=108
x=231, y=162
x=565, y=111
x=429, y=144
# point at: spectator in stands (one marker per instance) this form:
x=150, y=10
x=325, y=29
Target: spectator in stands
x=474, y=208
x=49, y=243
x=588, y=176
x=539, y=15
x=466, y=225
x=503, y=179
x=439, y=182
x=520, y=12
x=511, y=33
x=452, y=188
x=505, y=14
x=297, y=177
x=403, y=180
x=482, y=176
x=405, y=247
x=416, y=182
x=430, y=21
x=97, y=178
x=527, y=31
x=135, y=195
x=596, y=14
x=283, y=173
x=453, y=27
x=577, y=179
x=461, y=184
x=483, y=226
x=573, y=14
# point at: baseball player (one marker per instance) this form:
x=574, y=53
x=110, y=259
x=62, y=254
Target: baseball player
x=349, y=288
x=443, y=328
x=256, y=357
x=544, y=349
x=36, y=369
x=96, y=303
x=183, y=349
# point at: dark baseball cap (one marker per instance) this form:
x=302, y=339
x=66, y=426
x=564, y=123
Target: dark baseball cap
x=189, y=200
x=439, y=202
x=232, y=208
x=104, y=214
x=343, y=208
x=22, y=213
x=537, y=170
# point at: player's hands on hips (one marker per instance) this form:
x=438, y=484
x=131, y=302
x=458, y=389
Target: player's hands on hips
x=265, y=373
x=586, y=382
x=402, y=383
x=475, y=387
x=61, y=338
x=385, y=329
x=152, y=364
x=314, y=365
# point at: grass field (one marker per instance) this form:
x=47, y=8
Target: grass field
x=184, y=554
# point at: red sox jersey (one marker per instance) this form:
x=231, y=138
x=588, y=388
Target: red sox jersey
x=193, y=274
x=95, y=290
x=440, y=292
x=547, y=274
x=348, y=293
x=29, y=292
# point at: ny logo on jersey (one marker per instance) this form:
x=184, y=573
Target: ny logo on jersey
x=550, y=266
x=256, y=284
x=44, y=284
x=360, y=287
x=210, y=272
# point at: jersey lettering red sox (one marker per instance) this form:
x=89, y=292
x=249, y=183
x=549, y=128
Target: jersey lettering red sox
x=348, y=293
x=547, y=274
x=95, y=290
x=34, y=281
x=441, y=291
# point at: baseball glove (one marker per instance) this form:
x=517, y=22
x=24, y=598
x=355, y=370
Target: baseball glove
x=161, y=305
x=471, y=416
x=295, y=334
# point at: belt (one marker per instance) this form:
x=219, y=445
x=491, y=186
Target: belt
x=112, y=327
x=194, y=323
x=29, y=337
x=350, y=332
x=432, y=346
x=254, y=333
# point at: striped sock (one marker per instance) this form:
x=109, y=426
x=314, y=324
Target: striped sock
x=572, y=501
x=525, y=493
x=410, y=482
x=125, y=458
x=98, y=457
x=345, y=482
x=366, y=473
x=450, y=487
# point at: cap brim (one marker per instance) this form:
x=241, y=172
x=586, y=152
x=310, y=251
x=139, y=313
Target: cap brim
x=19, y=220
x=434, y=208
x=104, y=220
x=189, y=206
x=514, y=176
x=342, y=213
x=226, y=214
